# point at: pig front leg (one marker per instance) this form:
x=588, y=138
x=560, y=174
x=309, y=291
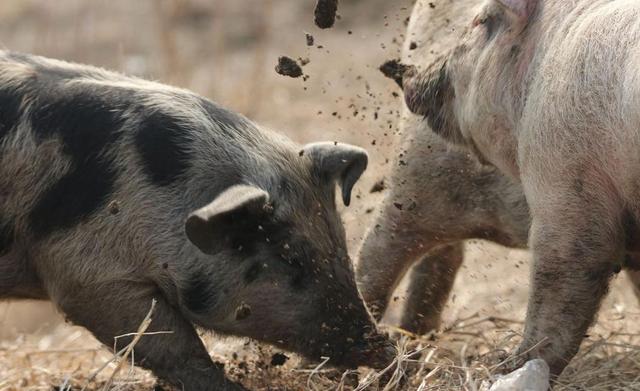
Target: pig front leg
x=179, y=358
x=430, y=283
x=394, y=243
x=576, y=239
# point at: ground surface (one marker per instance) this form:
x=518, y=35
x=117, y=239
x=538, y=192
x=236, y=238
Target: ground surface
x=227, y=50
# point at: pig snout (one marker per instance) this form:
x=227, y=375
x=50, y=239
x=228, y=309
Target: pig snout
x=425, y=92
x=380, y=352
x=374, y=350
x=430, y=93
x=414, y=86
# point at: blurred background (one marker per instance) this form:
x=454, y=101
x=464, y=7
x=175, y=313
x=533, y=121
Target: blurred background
x=226, y=50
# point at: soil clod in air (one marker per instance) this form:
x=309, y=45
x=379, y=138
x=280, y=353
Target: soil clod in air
x=325, y=13
x=378, y=186
x=288, y=67
x=310, y=39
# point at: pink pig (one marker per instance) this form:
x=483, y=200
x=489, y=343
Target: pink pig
x=548, y=91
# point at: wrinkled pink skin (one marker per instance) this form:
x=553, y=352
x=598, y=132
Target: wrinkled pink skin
x=547, y=92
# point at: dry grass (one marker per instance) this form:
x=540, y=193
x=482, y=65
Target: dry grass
x=466, y=355
x=226, y=50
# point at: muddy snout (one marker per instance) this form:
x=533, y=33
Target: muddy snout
x=375, y=351
x=426, y=91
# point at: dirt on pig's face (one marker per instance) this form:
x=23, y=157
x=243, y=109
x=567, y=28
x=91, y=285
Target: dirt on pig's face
x=292, y=283
x=301, y=285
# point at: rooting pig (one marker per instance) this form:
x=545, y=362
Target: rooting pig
x=115, y=191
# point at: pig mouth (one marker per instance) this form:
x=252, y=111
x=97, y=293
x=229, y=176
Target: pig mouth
x=376, y=351
x=377, y=357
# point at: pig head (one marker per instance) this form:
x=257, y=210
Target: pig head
x=295, y=284
x=471, y=96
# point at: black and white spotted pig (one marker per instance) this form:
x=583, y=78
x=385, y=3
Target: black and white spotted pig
x=99, y=173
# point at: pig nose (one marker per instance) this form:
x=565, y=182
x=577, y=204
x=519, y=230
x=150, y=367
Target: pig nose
x=381, y=351
x=388, y=354
x=378, y=355
x=425, y=90
x=382, y=356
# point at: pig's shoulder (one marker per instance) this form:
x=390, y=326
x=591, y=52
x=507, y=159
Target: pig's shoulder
x=103, y=121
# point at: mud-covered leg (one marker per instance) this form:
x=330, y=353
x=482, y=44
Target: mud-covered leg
x=178, y=358
x=390, y=248
x=575, y=242
x=431, y=280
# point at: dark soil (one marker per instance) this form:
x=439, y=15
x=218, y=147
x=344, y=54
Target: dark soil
x=395, y=70
x=378, y=186
x=325, y=13
x=310, y=39
x=278, y=359
x=288, y=67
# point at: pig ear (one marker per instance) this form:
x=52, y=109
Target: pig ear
x=520, y=9
x=210, y=226
x=342, y=162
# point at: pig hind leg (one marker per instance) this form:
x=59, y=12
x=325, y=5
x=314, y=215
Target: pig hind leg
x=430, y=283
x=178, y=357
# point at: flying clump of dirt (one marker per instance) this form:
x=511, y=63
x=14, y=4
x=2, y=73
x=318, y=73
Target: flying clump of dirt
x=378, y=186
x=395, y=70
x=325, y=13
x=288, y=67
x=310, y=39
